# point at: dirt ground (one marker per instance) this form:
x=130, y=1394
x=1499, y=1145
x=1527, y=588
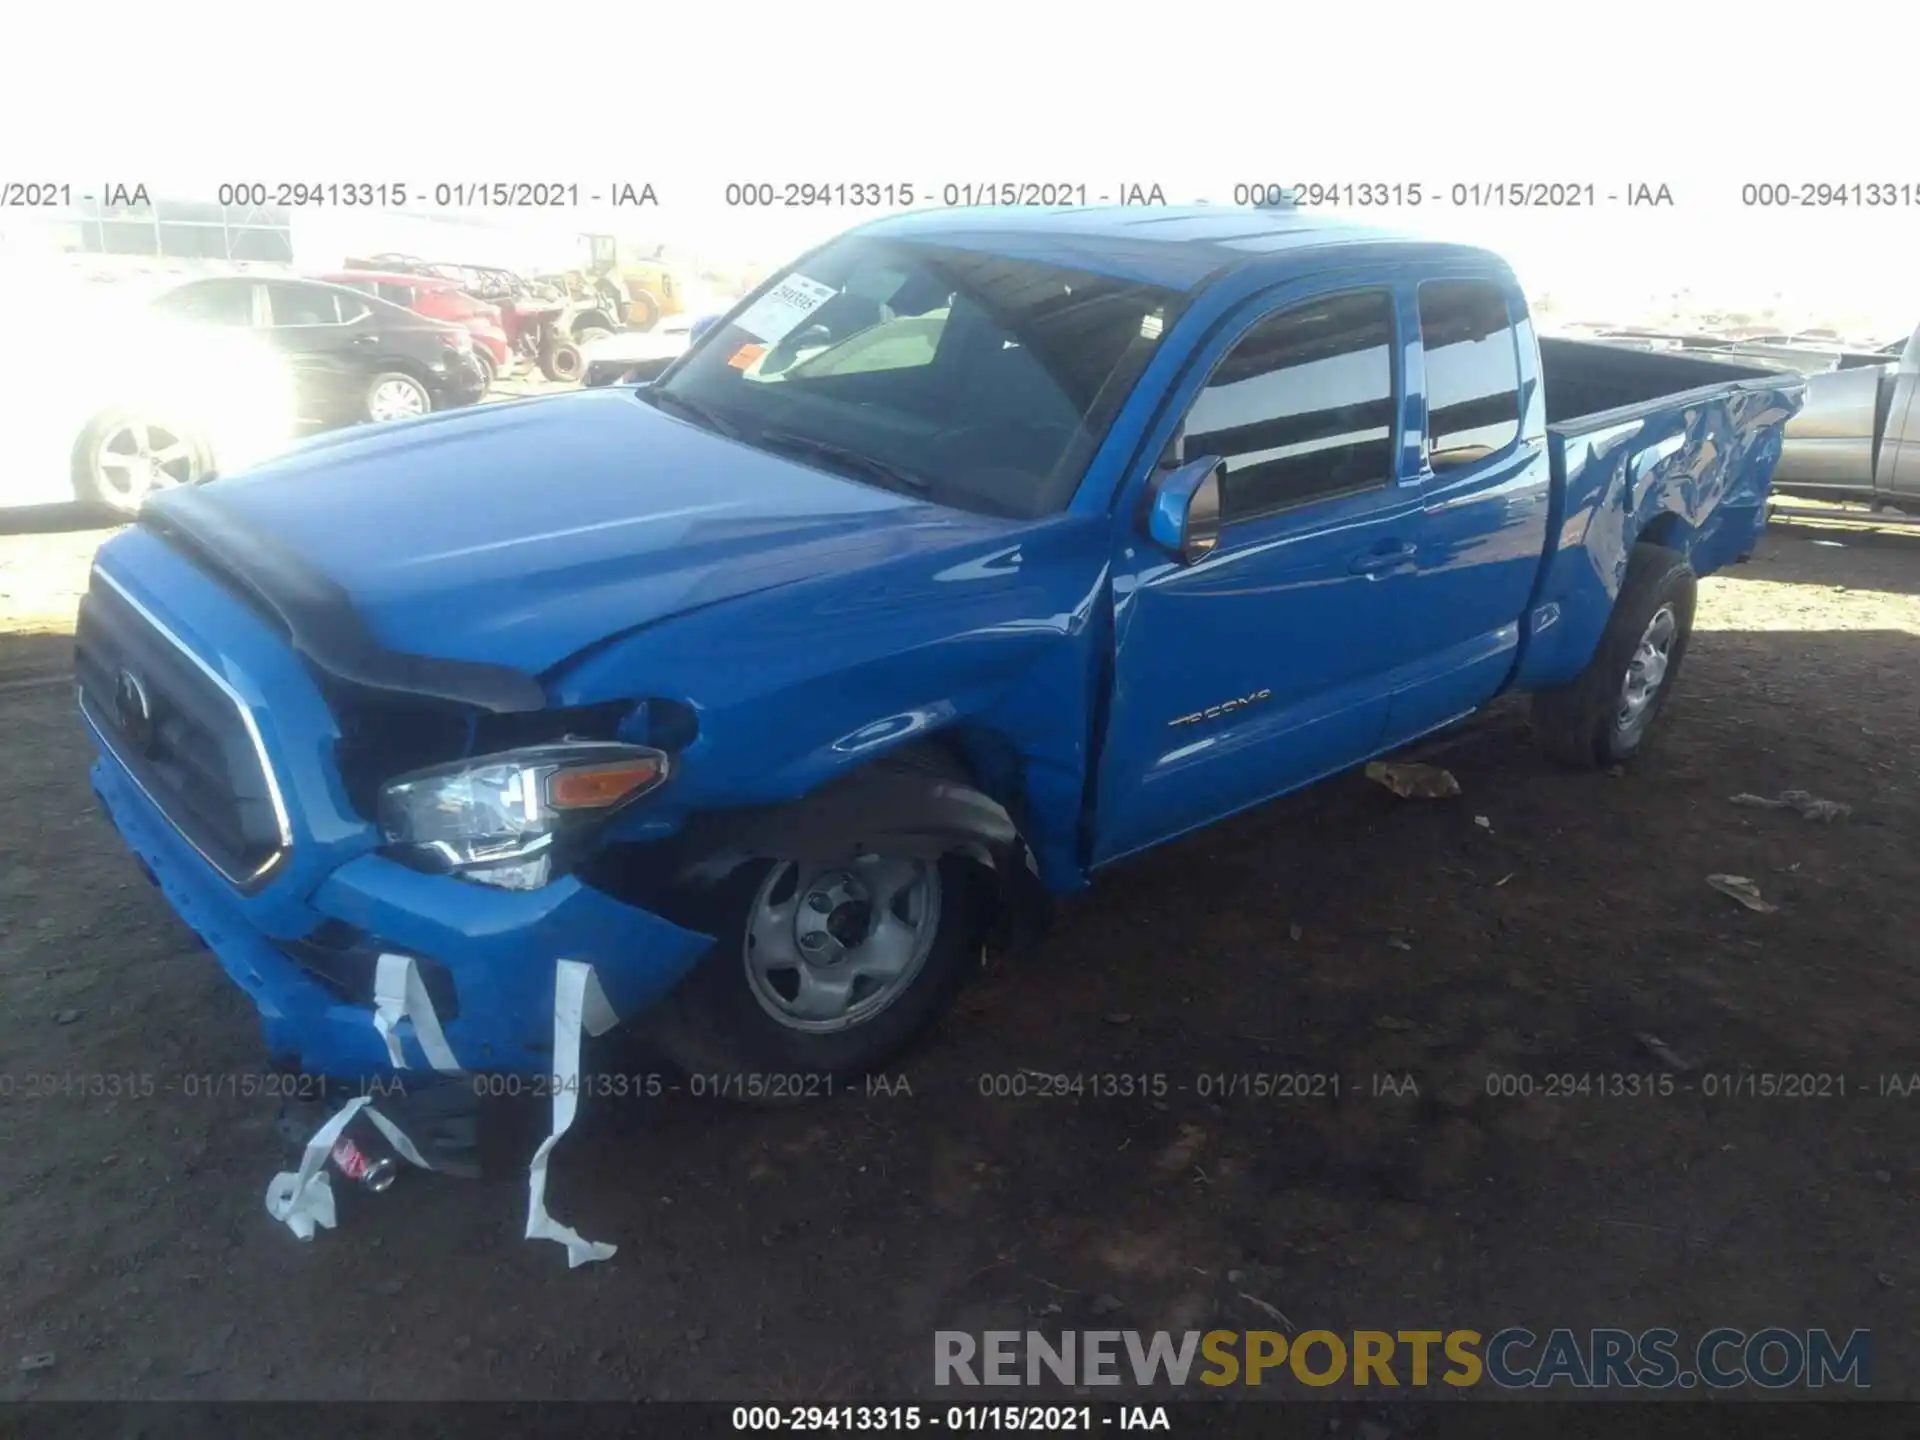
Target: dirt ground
x=809, y=1254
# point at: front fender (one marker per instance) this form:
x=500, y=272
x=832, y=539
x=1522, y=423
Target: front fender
x=989, y=634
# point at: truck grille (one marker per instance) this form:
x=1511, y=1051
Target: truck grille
x=182, y=733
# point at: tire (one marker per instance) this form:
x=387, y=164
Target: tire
x=725, y=1021
x=1586, y=723
x=563, y=364
x=123, y=456
x=644, y=312
x=489, y=371
x=587, y=334
x=395, y=395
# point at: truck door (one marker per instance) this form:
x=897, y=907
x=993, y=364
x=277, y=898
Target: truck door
x=1485, y=484
x=1266, y=663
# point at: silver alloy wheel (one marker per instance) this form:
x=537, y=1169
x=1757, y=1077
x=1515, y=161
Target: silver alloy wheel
x=829, y=947
x=397, y=399
x=1646, y=673
x=137, y=457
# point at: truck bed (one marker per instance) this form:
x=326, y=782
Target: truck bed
x=1588, y=381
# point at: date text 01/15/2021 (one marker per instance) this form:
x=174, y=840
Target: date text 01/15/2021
x=1036, y=1419
x=193, y=1085
x=696, y=1085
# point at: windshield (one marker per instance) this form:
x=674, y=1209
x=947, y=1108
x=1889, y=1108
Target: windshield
x=980, y=381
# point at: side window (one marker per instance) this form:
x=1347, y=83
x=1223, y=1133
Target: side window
x=398, y=294
x=213, y=304
x=1473, y=371
x=352, y=307
x=1302, y=406
x=301, y=305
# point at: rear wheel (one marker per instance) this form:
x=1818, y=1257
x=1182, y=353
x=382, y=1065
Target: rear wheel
x=587, y=334
x=644, y=312
x=396, y=396
x=124, y=456
x=489, y=371
x=1605, y=716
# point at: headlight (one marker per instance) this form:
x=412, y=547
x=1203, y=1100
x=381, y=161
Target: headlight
x=498, y=819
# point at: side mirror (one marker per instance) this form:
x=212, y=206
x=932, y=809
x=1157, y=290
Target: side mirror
x=1183, y=509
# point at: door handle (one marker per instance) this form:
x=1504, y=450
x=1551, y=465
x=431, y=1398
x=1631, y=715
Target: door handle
x=1376, y=562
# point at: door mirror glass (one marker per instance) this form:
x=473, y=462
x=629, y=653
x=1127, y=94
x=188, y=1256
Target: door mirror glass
x=1183, y=509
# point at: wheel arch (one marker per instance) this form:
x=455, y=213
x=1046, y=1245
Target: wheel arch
x=1668, y=530
x=398, y=365
x=954, y=792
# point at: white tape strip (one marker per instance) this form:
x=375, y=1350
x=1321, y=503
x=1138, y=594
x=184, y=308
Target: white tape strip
x=303, y=1200
x=400, y=994
x=578, y=1002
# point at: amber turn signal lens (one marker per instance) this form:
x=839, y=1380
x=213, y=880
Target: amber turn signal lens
x=593, y=787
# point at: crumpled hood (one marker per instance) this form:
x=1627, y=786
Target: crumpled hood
x=520, y=533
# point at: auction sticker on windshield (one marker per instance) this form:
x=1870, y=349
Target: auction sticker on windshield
x=777, y=312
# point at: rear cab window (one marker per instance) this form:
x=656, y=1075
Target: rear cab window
x=1473, y=371
x=1302, y=407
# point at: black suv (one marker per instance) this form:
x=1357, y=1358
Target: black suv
x=354, y=356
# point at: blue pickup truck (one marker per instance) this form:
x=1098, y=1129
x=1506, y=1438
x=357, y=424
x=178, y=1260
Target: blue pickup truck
x=971, y=554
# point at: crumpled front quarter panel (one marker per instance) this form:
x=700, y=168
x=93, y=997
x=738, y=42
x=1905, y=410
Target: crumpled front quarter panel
x=994, y=639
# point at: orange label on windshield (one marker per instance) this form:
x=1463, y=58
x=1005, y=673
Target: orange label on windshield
x=744, y=357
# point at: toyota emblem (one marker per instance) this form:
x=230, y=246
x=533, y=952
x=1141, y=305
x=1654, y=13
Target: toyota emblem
x=131, y=712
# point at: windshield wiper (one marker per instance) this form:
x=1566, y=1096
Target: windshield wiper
x=890, y=476
x=692, y=409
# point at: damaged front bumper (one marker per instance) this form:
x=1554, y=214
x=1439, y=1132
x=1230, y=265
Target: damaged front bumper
x=487, y=956
x=178, y=682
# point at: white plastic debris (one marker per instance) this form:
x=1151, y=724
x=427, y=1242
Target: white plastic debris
x=302, y=1199
x=578, y=1002
x=1808, y=806
x=1740, y=888
x=400, y=994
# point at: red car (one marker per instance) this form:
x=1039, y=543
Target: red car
x=440, y=300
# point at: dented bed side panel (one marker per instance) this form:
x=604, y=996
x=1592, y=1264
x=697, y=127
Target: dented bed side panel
x=1691, y=473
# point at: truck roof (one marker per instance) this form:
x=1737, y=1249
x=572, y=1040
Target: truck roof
x=1180, y=247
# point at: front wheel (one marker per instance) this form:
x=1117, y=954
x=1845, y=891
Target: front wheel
x=821, y=970
x=1606, y=714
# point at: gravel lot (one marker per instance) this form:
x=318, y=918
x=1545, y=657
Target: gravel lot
x=808, y=1254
